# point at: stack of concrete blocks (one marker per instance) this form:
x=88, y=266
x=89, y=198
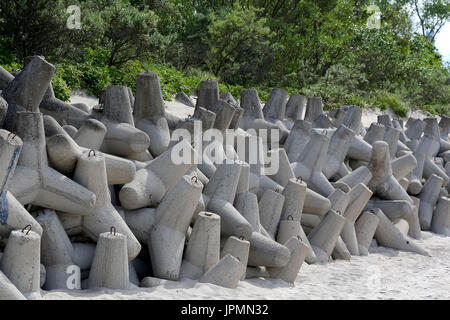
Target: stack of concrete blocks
x=95, y=198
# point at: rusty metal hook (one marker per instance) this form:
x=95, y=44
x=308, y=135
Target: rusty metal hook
x=292, y=218
x=111, y=230
x=209, y=214
x=89, y=154
x=196, y=179
x=28, y=226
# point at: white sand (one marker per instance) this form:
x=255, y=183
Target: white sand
x=384, y=274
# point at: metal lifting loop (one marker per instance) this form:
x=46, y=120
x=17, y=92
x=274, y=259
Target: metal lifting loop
x=209, y=214
x=196, y=179
x=300, y=179
x=111, y=230
x=11, y=133
x=292, y=218
x=241, y=237
x=29, y=229
x=299, y=238
x=89, y=154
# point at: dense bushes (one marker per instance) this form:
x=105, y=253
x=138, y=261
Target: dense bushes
x=317, y=48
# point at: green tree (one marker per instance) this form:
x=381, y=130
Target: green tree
x=432, y=15
x=238, y=44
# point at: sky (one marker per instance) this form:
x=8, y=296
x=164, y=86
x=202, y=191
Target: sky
x=443, y=42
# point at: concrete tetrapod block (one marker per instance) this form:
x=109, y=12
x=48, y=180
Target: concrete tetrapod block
x=71, y=130
x=402, y=225
x=203, y=248
x=173, y=217
x=3, y=111
x=91, y=173
x=289, y=273
x=270, y=208
x=57, y=253
x=383, y=182
x=291, y=228
x=337, y=150
x=184, y=99
x=238, y=248
x=322, y=121
x=399, y=209
x=110, y=266
x=421, y=153
x=12, y=213
x=35, y=182
x=226, y=273
x=284, y=172
x=352, y=120
x=428, y=198
x=151, y=183
x=374, y=133
x=122, y=138
x=403, y=166
x=340, y=251
x=315, y=203
x=21, y=262
x=296, y=106
x=139, y=221
x=359, y=149
x=247, y=205
x=149, y=113
x=323, y=238
x=266, y=252
x=441, y=217
x=219, y=196
x=360, y=175
x=253, y=117
x=391, y=136
x=387, y=235
x=25, y=92
x=91, y=134
x=208, y=94
x=314, y=108
x=5, y=78
x=365, y=228
x=63, y=153
x=224, y=115
x=294, y=199
x=414, y=223
x=275, y=107
x=8, y=291
x=414, y=128
x=309, y=164
x=358, y=198
x=432, y=131
x=297, y=139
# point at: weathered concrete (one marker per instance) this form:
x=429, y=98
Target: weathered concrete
x=365, y=228
x=291, y=228
x=238, y=248
x=173, y=217
x=208, y=94
x=387, y=235
x=275, y=107
x=296, y=106
x=383, y=182
x=91, y=173
x=297, y=139
x=110, y=266
x=21, y=262
x=266, y=252
x=226, y=273
x=151, y=183
x=35, y=182
x=337, y=150
x=91, y=134
x=323, y=238
x=149, y=113
x=314, y=108
x=298, y=250
x=270, y=208
x=309, y=164
x=441, y=217
x=203, y=248
x=8, y=291
x=428, y=198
